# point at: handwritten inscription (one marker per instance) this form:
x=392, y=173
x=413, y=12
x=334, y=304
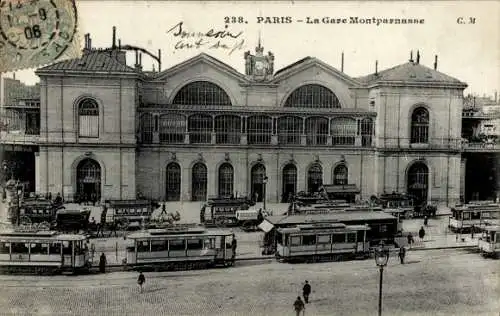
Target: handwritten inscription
x=225, y=39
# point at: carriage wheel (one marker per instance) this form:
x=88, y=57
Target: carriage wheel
x=44, y=225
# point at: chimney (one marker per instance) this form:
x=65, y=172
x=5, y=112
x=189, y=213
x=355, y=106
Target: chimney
x=114, y=37
x=119, y=44
x=411, y=56
x=496, y=96
x=86, y=45
x=14, y=76
x=342, y=63
x=90, y=43
x=376, y=67
x=418, y=57
x=159, y=60
x=435, y=62
x=140, y=59
x=136, y=58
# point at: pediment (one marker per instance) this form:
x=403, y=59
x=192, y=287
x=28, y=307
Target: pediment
x=307, y=64
x=201, y=63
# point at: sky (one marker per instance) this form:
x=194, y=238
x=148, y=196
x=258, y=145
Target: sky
x=468, y=52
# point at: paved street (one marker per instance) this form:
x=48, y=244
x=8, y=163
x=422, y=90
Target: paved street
x=449, y=282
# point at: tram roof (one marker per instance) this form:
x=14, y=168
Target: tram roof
x=329, y=217
x=45, y=234
x=334, y=227
x=161, y=233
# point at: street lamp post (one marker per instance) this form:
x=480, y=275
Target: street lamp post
x=381, y=259
x=264, y=189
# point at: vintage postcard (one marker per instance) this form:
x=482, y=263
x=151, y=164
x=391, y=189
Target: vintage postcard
x=249, y=158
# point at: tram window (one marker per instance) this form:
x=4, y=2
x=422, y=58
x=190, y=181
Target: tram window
x=279, y=238
x=159, y=245
x=208, y=243
x=339, y=238
x=54, y=248
x=195, y=244
x=19, y=247
x=495, y=215
x=383, y=228
x=4, y=247
x=37, y=249
x=476, y=215
x=466, y=215
x=67, y=247
x=324, y=239
x=295, y=241
x=177, y=245
x=143, y=246
x=309, y=240
x=351, y=237
x=486, y=215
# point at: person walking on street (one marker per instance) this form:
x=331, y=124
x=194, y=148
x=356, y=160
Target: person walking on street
x=426, y=220
x=410, y=239
x=140, y=281
x=402, y=254
x=102, y=263
x=421, y=232
x=472, y=232
x=299, y=306
x=306, y=291
x=234, y=245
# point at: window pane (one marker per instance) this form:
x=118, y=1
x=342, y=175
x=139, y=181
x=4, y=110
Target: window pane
x=227, y=129
x=202, y=93
x=313, y=96
x=316, y=131
x=172, y=128
x=259, y=130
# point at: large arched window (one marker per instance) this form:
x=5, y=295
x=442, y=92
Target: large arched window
x=88, y=118
x=257, y=175
x=147, y=128
x=227, y=129
x=172, y=128
x=200, y=129
x=418, y=181
x=317, y=131
x=201, y=93
x=226, y=180
x=366, y=131
x=173, y=182
x=340, y=175
x=199, y=182
x=420, y=126
x=312, y=96
x=259, y=129
x=314, y=178
x=289, y=130
x=344, y=131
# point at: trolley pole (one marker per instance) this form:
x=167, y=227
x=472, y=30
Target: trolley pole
x=264, y=189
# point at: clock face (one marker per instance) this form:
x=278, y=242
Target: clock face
x=259, y=65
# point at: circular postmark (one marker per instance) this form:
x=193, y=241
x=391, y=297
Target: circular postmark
x=36, y=31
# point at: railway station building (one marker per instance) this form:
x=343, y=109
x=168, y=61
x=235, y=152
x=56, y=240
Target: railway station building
x=201, y=128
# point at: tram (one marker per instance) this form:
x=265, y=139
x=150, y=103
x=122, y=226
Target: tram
x=179, y=248
x=222, y=212
x=489, y=242
x=464, y=217
x=43, y=252
x=322, y=242
x=125, y=214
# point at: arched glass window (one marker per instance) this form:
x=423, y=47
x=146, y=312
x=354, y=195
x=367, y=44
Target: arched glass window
x=317, y=131
x=289, y=130
x=340, y=175
x=147, y=128
x=420, y=126
x=226, y=180
x=200, y=129
x=289, y=182
x=418, y=181
x=201, y=93
x=173, y=182
x=199, y=182
x=172, y=128
x=344, y=131
x=314, y=178
x=259, y=129
x=366, y=131
x=312, y=96
x=88, y=178
x=88, y=118
x=227, y=129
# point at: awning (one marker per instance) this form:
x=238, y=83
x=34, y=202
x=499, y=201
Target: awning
x=265, y=226
x=348, y=188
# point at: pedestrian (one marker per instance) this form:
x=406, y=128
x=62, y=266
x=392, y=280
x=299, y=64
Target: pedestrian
x=306, y=291
x=472, y=232
x=102, y=263
x=140, y=281
x=402, y=254
x=234, y=244
x=299, y=306
x=425, y=221
x=421, y=232
x=58, y=200
x=410, y=239
x=260, y=216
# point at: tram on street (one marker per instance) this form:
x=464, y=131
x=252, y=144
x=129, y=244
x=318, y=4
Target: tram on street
x=37, y=211
x=383, y=226
x=489, y=242
x=322, y=242
x=43, y=252
x=222, y=212
x=126, y=214
x=464, y=217
x=179, y=248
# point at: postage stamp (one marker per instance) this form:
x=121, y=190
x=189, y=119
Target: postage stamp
x=37, y=32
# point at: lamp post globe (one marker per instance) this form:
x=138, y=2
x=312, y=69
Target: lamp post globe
x=381, y=259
